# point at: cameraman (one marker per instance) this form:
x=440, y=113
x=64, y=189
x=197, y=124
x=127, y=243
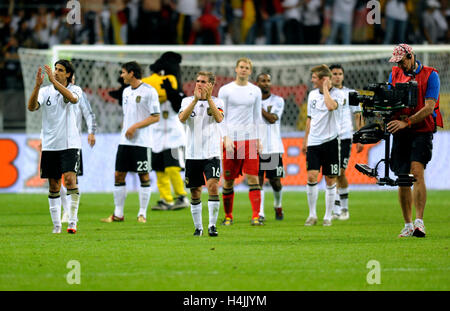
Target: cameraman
x=412, y=130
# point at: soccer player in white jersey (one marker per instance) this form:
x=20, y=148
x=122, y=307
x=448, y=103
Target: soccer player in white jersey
x=85, y=112
x=202, y=114
x=140, y=109
x=61, y=141
x=321, y=144
x=270, y=159
x=241, y=143
x=346, y=113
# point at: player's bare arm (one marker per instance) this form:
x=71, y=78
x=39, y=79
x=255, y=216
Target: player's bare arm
x=329, y=102
x=305, y=139
x=91, y=139
x=141, y=124
x=229, y=145
x=397, y=125
x=270, y=117
x=60, y=87
x=33, y=100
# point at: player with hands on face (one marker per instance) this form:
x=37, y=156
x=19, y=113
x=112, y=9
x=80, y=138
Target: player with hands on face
x=202, y=114
x=83, y=111
x=321, y=144
x=61, y=140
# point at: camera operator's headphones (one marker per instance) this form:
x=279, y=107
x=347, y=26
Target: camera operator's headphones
x=408, y=54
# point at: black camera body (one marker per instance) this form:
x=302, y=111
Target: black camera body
x=386, y=97
x=378, y=109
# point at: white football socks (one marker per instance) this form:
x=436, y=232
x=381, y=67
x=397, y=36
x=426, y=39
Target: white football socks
x=196, y=211
x=312, y=192
x=330, y=194
x=55, y=210
x=120, y=193
x=213, y=208
x=277, y=196
x=261, y=207
x=74, y=203
x=144, y=197
x=343, y=197
x=64, y=202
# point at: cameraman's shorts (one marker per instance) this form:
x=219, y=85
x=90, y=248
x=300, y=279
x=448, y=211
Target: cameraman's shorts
x=409, y=147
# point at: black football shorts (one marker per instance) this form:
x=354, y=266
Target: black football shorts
x=56, y=163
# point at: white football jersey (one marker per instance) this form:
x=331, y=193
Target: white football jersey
x=324, y=123
x=242, y=107
x=85, y=111
x=59, y=119
x=346, y=116
x=138, y=104
x=270, y=134
x=169, y=132
x=202, y=131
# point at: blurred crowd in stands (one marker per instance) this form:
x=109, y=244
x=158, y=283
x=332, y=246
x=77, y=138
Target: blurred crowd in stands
x=44, y=23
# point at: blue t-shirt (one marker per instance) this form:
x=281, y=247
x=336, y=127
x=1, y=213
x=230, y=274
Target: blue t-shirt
x=433, y=85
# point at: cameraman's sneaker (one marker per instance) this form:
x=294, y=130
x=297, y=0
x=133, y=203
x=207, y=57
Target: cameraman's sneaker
x=212, y=231
x=311, y=221
x=344, y=214
x=198, y=232
x=406, y=232
x=419, y=229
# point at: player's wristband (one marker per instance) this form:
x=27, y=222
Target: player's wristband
x=409, y=122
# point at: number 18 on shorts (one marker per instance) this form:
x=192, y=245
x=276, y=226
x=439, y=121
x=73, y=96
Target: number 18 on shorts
x=326, y=156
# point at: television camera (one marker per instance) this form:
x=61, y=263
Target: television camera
x=380, y=101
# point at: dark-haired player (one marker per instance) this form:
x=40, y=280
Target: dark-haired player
x=270, y=159
x=61, y=141
x=346, y=114
x=140, y=109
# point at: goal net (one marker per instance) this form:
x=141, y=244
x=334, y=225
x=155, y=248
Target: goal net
x=97, y=72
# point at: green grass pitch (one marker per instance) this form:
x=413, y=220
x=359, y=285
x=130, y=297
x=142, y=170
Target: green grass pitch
x=282, y=255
